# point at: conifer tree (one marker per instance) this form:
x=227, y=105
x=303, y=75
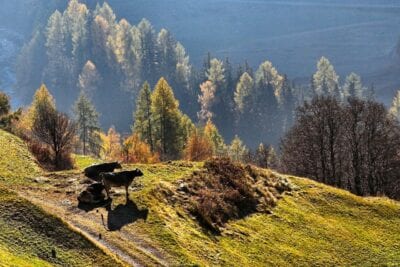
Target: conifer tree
x=244, y=92
x=218, y=145
x=325, y=80
x=353, y=86
x=395, y=108
x=237, y=150
x=89, y=78
x=42, y=101
x=86, y=117
x=143, y=124
x=206, y=99
x=166, y=121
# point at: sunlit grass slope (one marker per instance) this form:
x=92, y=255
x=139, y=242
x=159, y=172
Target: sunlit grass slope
x=16, y=163
x=27, y=233
x=315, y=225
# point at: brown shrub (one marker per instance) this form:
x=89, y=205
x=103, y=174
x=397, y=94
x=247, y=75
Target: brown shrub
x=45, y=158
x=226, y=190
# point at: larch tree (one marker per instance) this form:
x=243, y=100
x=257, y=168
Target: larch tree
x=57, y=68
x=183, y=68
x=353, y=86
x=325, y=79
x=244, y=93
x=206, y=100
x=215, y=73
x=237, y=150
x=198, y=147
x=89, y=78
x=88, y=127
x=42, y=100
x=166, y=121
x=143, y=124
x=218, y=145
x=395, y=107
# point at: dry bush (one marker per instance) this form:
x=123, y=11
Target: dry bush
x=198, y=147
x=135, y=150
x=226, y=190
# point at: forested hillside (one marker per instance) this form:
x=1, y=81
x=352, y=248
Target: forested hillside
x=117, y=50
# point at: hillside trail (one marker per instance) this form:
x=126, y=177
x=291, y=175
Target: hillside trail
x=92, y=224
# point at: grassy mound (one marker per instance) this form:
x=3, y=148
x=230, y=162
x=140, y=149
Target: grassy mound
x=225, y=191
x=16, y=162
x=313, y=225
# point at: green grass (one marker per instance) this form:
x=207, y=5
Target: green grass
x=28, y=235
x=16, y=163
x=316, y=225
x=82, y=162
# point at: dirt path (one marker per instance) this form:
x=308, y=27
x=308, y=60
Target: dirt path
x=91, y=224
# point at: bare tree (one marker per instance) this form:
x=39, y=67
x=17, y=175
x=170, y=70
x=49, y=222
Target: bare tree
x=55, y=130
x=354, y=146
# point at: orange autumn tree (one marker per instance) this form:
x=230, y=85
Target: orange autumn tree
x=111, y=149
x=198, y=147
x=135, y=150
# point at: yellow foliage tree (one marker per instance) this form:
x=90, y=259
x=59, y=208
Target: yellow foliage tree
x=135, y=150
x=111, y=149
x=217, y=141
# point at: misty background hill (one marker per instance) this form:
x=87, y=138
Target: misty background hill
x=358, y=36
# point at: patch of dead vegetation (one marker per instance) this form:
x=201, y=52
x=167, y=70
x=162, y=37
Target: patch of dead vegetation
x=224, y=191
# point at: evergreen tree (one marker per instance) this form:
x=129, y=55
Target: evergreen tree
x=6, y=116
x=166, y=121
x=148, y=51
x=143, y=125
x=87, y=124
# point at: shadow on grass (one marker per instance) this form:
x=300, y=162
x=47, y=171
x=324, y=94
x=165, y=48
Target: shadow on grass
x=124, y=214
x=88, y=207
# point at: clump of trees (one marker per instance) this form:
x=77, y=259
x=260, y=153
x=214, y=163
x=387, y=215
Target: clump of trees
x=49, y=133
x=7, y=117
x=353, y=145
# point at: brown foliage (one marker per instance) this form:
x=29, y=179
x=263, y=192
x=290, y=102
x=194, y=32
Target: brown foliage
x=54, y=130
x=135, y=150
x=354, y=146
x=198, y=147
x=226, y=190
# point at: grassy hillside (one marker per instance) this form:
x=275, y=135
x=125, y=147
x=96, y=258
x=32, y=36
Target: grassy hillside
x=313, y=225
x=16, y=163
x=27, y=233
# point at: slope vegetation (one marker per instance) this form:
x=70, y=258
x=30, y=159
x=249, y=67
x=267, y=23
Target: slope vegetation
x=311, y=225
x=28, y=235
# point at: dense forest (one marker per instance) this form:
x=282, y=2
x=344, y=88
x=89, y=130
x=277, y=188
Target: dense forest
x=110, y=60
